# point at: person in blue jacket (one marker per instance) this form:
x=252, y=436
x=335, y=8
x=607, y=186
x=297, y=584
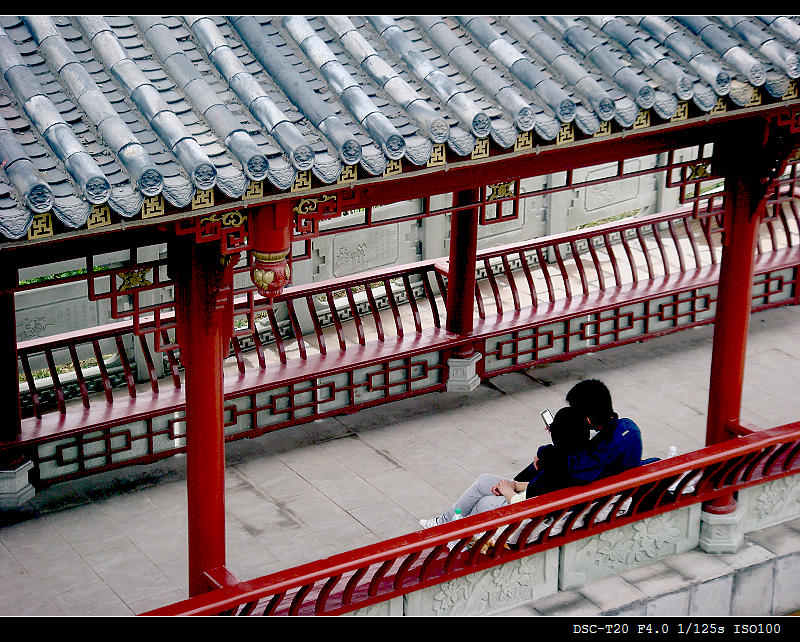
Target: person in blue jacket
x=616, y=447
x=617, y=444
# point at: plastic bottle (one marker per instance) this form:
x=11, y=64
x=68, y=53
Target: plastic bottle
x=673, y=451
x=456, y=516
x=689, y=488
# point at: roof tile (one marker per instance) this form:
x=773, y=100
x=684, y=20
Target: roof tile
x=115, y=109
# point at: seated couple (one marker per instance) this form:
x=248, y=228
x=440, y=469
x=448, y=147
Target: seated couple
x=573, y=459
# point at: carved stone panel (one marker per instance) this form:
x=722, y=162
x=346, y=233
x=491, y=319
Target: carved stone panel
x=61, y=308
x=769, y=504
x=393, y=607
x=632, y=545
x=489, y=591
x=362, y=250
x=603, y=195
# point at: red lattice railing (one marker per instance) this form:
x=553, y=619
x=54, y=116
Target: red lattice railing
x=381, y=571
x=340, y=345
x=369, y=307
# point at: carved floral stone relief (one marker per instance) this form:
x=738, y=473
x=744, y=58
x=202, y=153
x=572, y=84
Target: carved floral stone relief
x=771, y=503
x=501, y=587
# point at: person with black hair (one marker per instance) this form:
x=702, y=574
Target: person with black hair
x=549, y=471
x=617, y=444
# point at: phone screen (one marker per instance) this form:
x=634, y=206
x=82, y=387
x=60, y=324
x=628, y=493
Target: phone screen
x=547, y=417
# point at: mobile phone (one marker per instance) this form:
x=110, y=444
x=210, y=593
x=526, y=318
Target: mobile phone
x=547, y=417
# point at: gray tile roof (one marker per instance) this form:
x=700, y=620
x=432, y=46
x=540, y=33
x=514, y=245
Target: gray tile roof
x=112, y=110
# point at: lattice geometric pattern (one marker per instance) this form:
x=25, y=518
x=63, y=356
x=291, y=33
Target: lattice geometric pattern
x=682, y=113
x=524, y=141
x=755, y=97
x=642, y=120
x=720, y=106
x=500, y=203
x=100, y=216
x=202, y=199
x=302, y=181
x=393, y=166
x=580, y=333
x=566, y=134
x=153, y=206
x=349, y=174
x=254, y=190
x=481, y=149
x=229, y=228
x=604, y=129
x=109, y=448
x=438, y=155
x=42, y=226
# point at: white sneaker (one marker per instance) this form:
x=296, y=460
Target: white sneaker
x=430, y=523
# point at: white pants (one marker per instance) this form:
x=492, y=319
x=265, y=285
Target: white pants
x=478, y=498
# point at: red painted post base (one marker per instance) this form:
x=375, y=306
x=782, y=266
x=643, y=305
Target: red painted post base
x=721, y=506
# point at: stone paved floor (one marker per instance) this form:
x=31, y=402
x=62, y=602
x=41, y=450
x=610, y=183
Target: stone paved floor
x=116, y=544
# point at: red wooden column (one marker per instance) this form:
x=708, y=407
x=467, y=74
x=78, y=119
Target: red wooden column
x=734, y=301
x=203, y=288
x=749, y=158
x=461, y=270
x=462, y=365
x=270, y=234
x=9, y=381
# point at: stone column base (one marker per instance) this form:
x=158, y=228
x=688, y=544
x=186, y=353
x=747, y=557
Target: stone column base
x=15, y=489
x=721, y=533
x=462, y=373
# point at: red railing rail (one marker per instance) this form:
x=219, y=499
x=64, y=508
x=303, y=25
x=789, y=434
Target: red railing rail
x=109, y=367
x=379, y=572
x=634, y=250
x=363, y=299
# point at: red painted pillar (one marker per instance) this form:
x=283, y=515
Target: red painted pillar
x=9, y=381
x=204, y=329
x=744, y=211
x=461, y=270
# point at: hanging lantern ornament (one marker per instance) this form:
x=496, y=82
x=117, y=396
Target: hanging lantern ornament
x=270, y=272
x=270, y=239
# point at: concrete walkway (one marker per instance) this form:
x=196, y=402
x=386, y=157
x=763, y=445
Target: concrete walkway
x=115, y=544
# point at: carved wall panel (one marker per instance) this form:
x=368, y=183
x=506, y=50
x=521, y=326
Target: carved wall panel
x=620, y=549
x=489, y=591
